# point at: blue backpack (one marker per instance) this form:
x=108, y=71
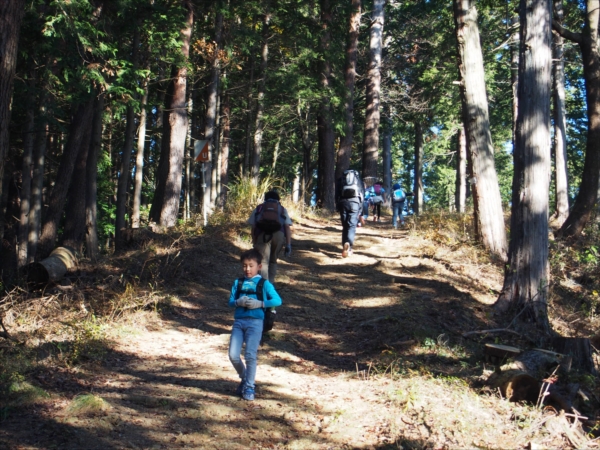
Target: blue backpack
x=398, y=196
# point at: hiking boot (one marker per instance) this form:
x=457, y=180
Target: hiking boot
x=346, y=250
x=240, y=389
x=248, y=394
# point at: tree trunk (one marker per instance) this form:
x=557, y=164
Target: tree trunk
x=249, y=107
x=461, y=171
x=560, y=123
x=11, y=13
x=371, y=133
x=486, y=191
x=387, y=155
x=80, y=126
x=260, y=101
x=226, y=111
x=91, y=225
x=37, y=184
x=75, y=211
x=527, y=274
x=139, y=161
x=168, y=190
x=345, y=150
x=26, y=177
x=418, y=181
x=215, y=158
x=588, y=189
x=514, y=76
x=125, y=172
x=211, y=111
x=124, y=177
x=325, y=128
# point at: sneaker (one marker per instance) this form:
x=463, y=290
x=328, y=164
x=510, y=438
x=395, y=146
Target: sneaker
x=240, y=389
x=248, y=394
x=346, y=250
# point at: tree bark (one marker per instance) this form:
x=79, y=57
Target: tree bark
x=249, y=108
x=260, y=102
x=371, y=133
x=26, y=177
x=75, y=211
x=486, y=190
x=387, y=154
x=11, y=14
x=91, y=225
x=527, y=274
x=139, y=161
x=560, y=122
x=37, y=184
x=326, y=135
x=80, y=125
x=588, y=189
x=418, y=181
x=461, y=171
x=165, y=207
x=226, y=111
x=125, y=172
x=211, y=111
x=345, y=151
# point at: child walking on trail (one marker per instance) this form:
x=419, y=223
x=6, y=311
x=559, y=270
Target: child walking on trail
x=248, y=319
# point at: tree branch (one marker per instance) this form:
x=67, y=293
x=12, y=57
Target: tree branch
x=569, y=35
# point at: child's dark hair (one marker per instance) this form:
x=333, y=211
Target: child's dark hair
x=251, y=255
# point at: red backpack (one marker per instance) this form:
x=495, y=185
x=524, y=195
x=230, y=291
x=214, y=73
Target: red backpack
x=270, y=217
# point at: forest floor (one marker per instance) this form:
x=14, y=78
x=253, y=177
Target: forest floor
x=367, y=352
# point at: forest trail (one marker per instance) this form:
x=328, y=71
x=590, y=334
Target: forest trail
x=366, y=353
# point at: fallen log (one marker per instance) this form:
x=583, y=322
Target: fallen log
x=53, y=268
x=516, y=385
x=519, y=379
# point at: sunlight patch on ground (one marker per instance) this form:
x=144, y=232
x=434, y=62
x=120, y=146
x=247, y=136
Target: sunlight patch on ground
x=372, y=302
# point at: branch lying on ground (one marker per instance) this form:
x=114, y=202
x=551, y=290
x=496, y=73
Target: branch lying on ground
x=495, y=330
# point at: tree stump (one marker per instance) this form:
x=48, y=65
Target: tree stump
x=579, y=349
x=53, y=268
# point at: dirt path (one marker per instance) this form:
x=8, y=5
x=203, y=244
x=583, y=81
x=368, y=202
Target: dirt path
x=366, y=354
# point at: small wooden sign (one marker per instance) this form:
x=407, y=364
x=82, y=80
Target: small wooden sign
x=201, y=151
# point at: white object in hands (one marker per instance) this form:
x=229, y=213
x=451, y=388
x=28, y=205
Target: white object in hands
x=253, y=304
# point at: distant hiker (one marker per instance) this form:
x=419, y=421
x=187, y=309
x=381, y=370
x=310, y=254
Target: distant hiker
x=366, y=203
x=398, y=199
x=376, y=198
x=248, y=319
x=271, y=233
x=349, y=196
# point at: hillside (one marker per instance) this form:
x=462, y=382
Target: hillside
x=368, y=351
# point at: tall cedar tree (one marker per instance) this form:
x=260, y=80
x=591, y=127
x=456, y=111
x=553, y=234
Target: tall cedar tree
x=527, y=274
x=345, y=150
x=165, y=206
x=560, y=122
x=486, y=191
x=11, y=14
x=371, y=133
x=588, y=189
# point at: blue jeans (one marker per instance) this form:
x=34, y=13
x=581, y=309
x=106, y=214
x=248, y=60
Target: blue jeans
x=349, y=212
x=247, y=331
x=398, y=208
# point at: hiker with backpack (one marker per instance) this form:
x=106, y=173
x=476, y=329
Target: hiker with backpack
x=251, y=296
x=349, y=196
x=271, y=233
x=377, y=198
x=398, y=199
